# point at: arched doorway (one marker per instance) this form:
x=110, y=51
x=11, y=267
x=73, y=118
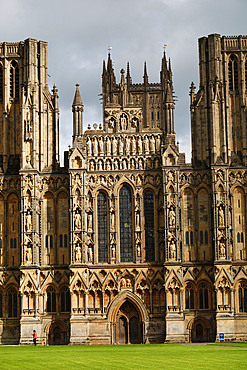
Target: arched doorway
x=200, y=330
x=128, y=324
x=57, y=334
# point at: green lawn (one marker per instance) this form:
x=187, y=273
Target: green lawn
x=159, y=356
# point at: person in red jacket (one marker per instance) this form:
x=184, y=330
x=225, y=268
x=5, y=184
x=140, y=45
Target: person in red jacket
x=34, y=337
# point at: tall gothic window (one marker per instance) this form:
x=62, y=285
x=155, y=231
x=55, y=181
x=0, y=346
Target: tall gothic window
x=14, y=80
x=102, y=227
x=126, y=239
x=203, y=296
x=1, y=82
x=189, y=297
x=149, y=225
x=233, y=74
x=65, y=299
x=12, y=303
x=51, y=300
x=242, y=296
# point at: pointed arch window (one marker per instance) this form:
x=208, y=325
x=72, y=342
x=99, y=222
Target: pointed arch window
x=233, y=73
x=187, y=238
x=65, y=299
x=189, y=297
x=102, y=227
x=203, y=297
x=201, y=237
x=1, y=82
x=65, y=241
x=191, y=238
x=51, y=300
x=126, y=236
x=149, y=225
x=238, y=237
x=61, y=241
x=206, y=237
x=14, y=80
x=12, y=303
x=242, y=296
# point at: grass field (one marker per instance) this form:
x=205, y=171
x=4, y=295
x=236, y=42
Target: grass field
x=159, y=356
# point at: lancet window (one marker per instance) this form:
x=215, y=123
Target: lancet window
x=102, y=227
x=189, y=297
x=242, y=296
x=65, y=299
x=149, y=225
x=233, y=74
x=126, y=237
x=203, y=297
x=14, y=80
x=51, y=300
x=12, y=303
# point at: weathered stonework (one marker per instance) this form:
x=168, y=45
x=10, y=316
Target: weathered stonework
x=126, y=243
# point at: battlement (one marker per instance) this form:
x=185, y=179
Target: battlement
x=234, y=43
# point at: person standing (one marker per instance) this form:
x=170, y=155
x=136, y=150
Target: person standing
x=34, y=337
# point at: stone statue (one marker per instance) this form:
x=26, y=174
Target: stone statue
x=172, y=217
x=113, y=248
x=114, y=146
x=113, y=221
x=152, y=145
x=139, y=145
x=100, y=166
x=78, y=252
x=140, y=164
x=127, y=145
x=95, y=146
x=89, y=147
x=108, y=146
x=137, y=220
x=222, y=248
x=221, y=217
x=77, y=220
x=121, y=146
x=133, y=145
x=123, y=123
x=101, y=146
x=124, y=164
x=158, y=143
x=28, y=253
x=172, y=249
x=90, y=253
x=28, y=221
x=138, y=250
x=146, y=145
x=90, y=222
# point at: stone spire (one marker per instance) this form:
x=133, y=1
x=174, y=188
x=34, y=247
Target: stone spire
x=77, y=109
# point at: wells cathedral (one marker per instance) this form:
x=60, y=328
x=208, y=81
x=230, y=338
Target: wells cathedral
x=127, y=243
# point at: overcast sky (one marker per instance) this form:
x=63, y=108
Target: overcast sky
x=79, y=33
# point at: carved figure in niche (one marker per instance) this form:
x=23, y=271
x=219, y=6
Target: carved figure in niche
x=111, y=123
x=133, y=145
x=113, y=221
x=222, y=248
x=134, y=122
x=127, y=145
x=90, y=222
x=140, y=162
x=78, y=252
x=123, y=123
x=172, y=249
x=95, y=146
x=108, y=146
x=124, y=164
x=121, y=146
x=139, y=145
x=28, y=253
x=138, y=250
x=128, y=283
x=156, y=163
x=170, y=176
x=116, y=164
x=123, y=283
x=91, y=166
x=152, y=145
x=139, y=181
x=90, y=253
x=172, y=217
x=28, y=160
x=100, y=166
x=146, y=145
x=221, y=216
x=157, y=180
x=149, y=163
x=108, y=165
x=28, y=221
x=157, y=143
x=77, y=220
x=101, y=146
x=132, y=164
x=114, y=146
x=89, y=147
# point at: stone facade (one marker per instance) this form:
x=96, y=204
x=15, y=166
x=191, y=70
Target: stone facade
x=126, y=243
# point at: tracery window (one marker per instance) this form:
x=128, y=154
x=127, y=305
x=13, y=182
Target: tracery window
x=102, y=227
x=51, y=300
x=65, y=299
x=189, y=297
x=203, y=296
x=233, y=74
x=14, y=80
x=242, y=296
x=12, y=303
x=149, y=225
x=126, y=239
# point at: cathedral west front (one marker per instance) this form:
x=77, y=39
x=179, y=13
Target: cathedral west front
x=127, y=243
